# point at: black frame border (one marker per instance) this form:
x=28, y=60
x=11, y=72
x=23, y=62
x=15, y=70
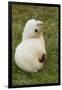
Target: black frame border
x=10, y=44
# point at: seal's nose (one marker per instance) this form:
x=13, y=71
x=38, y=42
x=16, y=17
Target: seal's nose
x=40, y=23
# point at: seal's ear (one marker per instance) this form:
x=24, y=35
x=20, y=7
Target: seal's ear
x=40, y=23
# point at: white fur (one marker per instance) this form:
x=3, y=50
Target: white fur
x=32, y=47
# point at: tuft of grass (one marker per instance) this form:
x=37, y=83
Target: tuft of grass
x=49, y=15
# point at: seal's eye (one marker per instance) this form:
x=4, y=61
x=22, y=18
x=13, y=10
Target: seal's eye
x=36, y=30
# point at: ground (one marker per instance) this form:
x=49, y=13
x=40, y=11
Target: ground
x=49, y=15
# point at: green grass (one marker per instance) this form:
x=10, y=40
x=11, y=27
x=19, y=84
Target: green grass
x=49, y=15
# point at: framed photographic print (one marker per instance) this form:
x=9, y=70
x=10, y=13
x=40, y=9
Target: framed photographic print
x=33, y=44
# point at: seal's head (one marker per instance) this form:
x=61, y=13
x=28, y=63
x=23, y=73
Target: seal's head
x=32, y=29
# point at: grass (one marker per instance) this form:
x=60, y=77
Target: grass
x=49, y=15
